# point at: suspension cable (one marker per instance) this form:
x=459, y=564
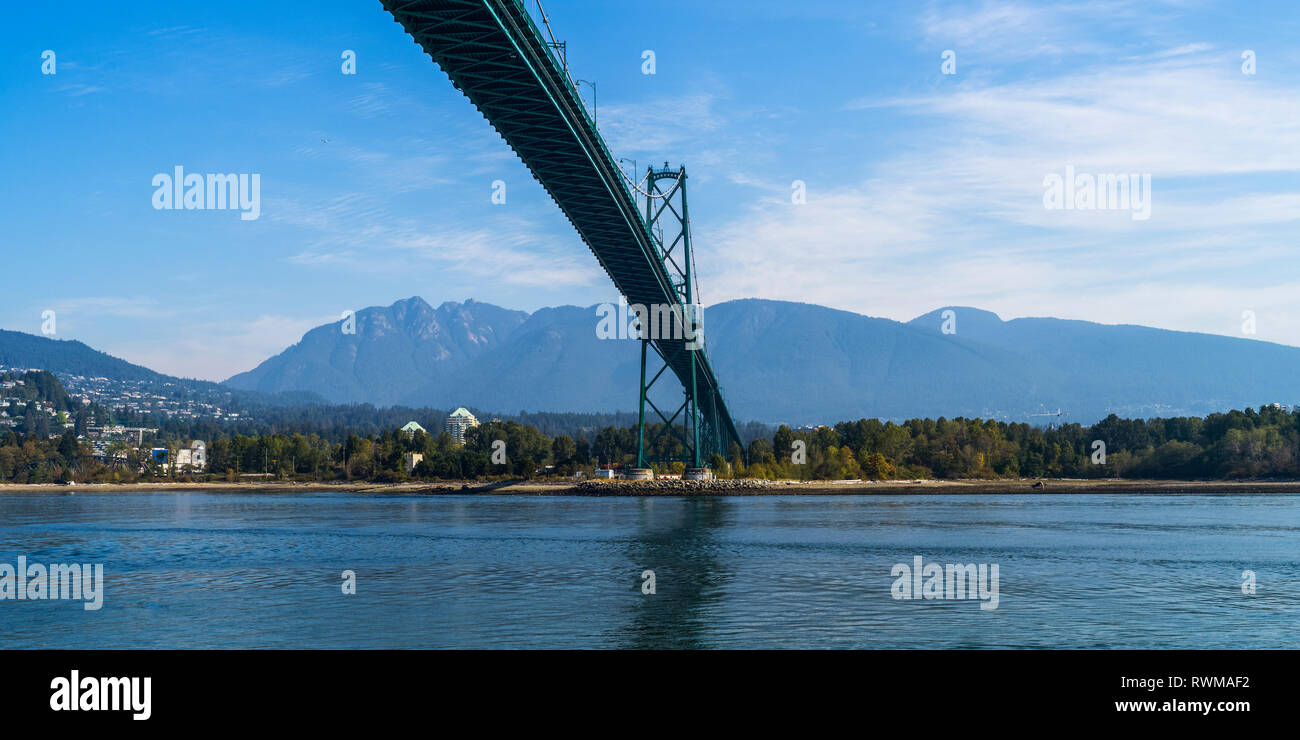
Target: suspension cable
x=653, y=196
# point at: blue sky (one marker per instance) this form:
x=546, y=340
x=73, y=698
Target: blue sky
x=923, y=189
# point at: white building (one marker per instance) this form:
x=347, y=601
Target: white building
x=459, y=421
x=410, y=460
x=195, y=456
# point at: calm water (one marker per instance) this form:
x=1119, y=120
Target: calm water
x=211, y=570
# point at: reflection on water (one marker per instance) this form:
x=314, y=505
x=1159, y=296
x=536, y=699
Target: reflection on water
x=199, y=570
x=676, y=538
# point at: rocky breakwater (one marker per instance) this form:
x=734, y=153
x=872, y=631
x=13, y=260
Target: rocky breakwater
x=671, y=487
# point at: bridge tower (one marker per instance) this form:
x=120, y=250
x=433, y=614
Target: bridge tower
x=495, y=54
x=662, y=195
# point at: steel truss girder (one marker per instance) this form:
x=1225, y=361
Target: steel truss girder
x=494, y=54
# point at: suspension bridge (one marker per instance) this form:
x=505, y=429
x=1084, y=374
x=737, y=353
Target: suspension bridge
x=495, y=54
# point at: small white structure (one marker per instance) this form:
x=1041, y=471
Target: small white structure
x=698, y=474
x=196, y=456
x=410, y=460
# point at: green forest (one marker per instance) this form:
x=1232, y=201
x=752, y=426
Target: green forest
x=1247, y=444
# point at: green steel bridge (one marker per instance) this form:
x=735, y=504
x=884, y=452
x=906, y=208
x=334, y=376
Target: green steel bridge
x=640, y=232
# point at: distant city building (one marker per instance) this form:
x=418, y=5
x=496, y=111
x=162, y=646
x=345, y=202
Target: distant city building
x=411, y=428
x=120, y=431
x=459, y=421
x=196, y=456
x=183, y=458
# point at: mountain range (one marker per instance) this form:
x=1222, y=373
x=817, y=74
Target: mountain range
x=785, y=362
x=779, y=362
x=71, y=359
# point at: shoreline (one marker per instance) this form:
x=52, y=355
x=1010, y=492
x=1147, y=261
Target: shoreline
x=741, y=487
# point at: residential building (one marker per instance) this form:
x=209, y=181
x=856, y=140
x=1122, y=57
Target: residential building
x=459, y=421
x=196, y=456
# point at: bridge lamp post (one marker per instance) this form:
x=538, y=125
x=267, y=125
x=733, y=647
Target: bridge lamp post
x=632, y=161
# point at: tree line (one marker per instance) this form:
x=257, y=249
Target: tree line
x=1254, y=443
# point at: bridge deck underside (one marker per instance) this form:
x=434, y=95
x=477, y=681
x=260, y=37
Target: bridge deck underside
x=496, y=57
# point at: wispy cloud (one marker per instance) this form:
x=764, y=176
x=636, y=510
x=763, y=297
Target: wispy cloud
x=511, y=252
x=112, y=306
x=998, y=31
x=244, y=344
x=659, y=126
x=957, y=217
x=76, y=90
